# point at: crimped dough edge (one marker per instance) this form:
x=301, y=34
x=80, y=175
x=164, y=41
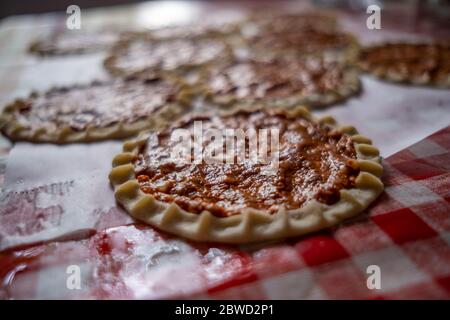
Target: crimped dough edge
x=251, y=225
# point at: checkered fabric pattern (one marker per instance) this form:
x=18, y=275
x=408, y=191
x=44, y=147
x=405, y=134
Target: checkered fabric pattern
x=405, y=233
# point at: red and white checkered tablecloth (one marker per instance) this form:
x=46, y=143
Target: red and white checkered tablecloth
x=405, y=233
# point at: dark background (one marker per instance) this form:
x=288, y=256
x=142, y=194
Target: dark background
x=439, y=10
x=13, y=7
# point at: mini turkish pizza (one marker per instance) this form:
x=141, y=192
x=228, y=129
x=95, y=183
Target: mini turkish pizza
x=98, y=111
x=142, y=56
x=315, y=175
x=427, y=64
x=312, y=81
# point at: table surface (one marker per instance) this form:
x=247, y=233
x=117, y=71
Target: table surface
x=394, y=116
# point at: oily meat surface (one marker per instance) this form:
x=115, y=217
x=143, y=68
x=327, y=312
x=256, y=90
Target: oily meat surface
x=314, y=163
x=276, y=79
x=97, y=105
x=410, y=59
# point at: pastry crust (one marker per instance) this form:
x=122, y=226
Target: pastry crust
x=251, y=225
x=319, y=97
x=62, y=134
x=414, y=63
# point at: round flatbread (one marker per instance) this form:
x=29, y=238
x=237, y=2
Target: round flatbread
x=147, y=58
x=313, y=82
x=425, y=64
x=317, y=175
x=99, y=111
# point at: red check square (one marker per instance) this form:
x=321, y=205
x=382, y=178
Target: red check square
x=320, y=249
x=444, y=282
x=404, y=225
